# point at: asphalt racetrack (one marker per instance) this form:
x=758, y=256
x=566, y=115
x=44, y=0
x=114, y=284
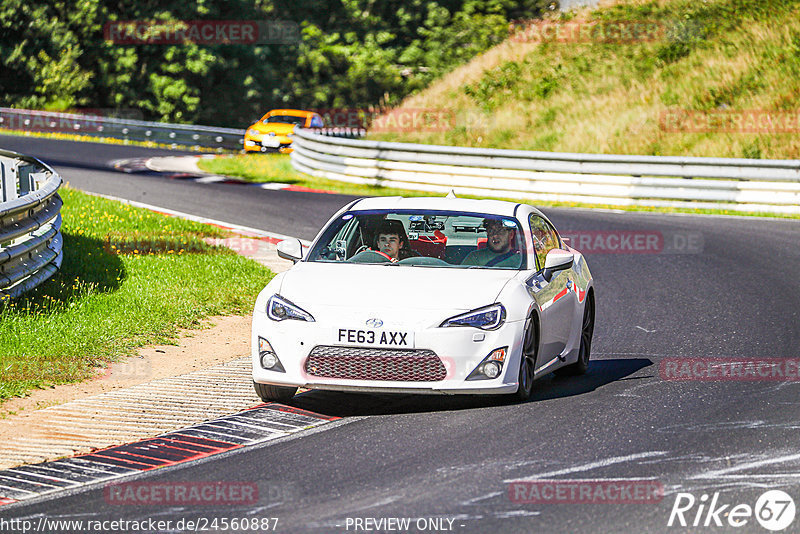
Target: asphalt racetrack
x=715, y=287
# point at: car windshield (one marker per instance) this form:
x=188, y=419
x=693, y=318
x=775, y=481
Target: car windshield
x=286, y=119
x=422, y=238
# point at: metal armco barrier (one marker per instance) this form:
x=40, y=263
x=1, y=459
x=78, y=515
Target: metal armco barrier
x=30, y=223
x=771, y=186
x=124, y=129
x=336, y=131
x=136, y=130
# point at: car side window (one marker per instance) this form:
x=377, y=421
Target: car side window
x=342, y=243
x=544, y=238
x=556, y=237
x=316, y=122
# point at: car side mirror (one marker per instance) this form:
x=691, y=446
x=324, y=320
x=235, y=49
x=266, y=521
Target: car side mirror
x=290, y=249
x=557, y=260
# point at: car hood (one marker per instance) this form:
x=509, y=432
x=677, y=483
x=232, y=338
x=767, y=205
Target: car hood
x=350, y=291
x=278, y=128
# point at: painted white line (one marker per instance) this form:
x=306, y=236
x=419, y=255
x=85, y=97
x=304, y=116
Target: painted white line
x=761, y=475
x=16, y=489
x=591, y=465
x=474, y=500
x=39, y=475
x=196, y=218
x=210, y=179
x=254, y=423
x=749, y=465
x=27, y=482
x=253, y=427
x=516, y=513
x=273, y=186
x=227, y=438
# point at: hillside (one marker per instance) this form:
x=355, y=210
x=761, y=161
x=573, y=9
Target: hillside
x=710, y=78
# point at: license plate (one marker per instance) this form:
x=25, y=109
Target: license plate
x=272, y=142
x=374, y=338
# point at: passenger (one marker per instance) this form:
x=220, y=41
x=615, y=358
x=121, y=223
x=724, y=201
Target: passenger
x=499, y=251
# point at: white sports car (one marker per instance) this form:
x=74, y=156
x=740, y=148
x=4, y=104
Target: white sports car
x=425, y=295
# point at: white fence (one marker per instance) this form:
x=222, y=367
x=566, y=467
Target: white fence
x=30, y=223
x=771, y=186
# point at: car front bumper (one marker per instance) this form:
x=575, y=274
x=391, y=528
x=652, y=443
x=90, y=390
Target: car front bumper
x=459, y=349
x=266, y=143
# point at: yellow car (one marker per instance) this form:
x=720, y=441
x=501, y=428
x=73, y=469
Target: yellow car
x=274, y=130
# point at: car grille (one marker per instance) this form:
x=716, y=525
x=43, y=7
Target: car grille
x=358, y=363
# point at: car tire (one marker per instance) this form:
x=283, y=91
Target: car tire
x=270, y=393
x=584, y=352
x=527, y=364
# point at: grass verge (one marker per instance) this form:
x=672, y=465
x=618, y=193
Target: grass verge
x=707, y=85
x=130, y=277
x=266, y=168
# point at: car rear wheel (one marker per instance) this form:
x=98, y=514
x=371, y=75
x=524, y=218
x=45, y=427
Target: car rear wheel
x=587, y=329
x=528, y=363
x=270, y=393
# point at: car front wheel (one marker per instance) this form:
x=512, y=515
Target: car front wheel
x=270, y=393
x=587, y=330
x=528, y=363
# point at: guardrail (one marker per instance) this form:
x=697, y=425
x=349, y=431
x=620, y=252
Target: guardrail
x=136, y=130
x=124, y=129
x=30, y=223
x=771, y=186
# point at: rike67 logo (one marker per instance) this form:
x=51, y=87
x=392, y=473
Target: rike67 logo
x=774, y=510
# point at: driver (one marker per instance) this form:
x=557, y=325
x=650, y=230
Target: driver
x=499, y=251
x=391, y=240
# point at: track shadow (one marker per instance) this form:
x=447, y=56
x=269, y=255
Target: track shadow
x=338, y=404
x=601, y=372
x=86, y=264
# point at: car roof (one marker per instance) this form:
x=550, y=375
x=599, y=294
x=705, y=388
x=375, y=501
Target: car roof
x=292, y=112
x=492, y=207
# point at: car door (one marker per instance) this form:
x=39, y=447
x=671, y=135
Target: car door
x=556, y=298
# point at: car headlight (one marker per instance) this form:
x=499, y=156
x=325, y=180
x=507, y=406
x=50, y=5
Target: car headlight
x=279, y=309
x=486, y=318
x=251, y=131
